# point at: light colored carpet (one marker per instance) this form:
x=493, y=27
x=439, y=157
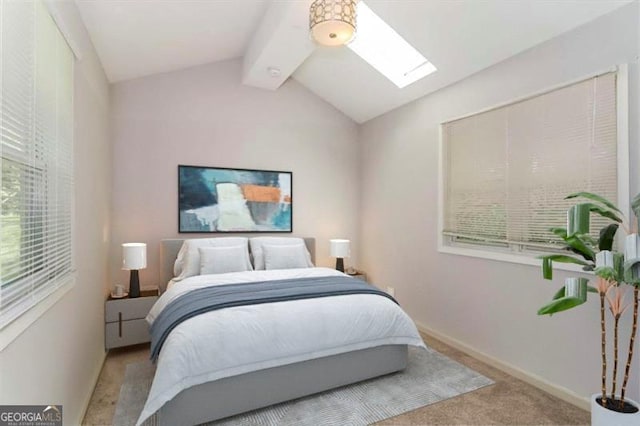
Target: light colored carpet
x=430, y=377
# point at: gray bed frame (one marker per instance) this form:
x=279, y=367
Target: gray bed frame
x=233, y=395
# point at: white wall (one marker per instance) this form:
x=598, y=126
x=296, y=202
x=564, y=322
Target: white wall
x=58, y=358
x=205, y=116
x=486, y=305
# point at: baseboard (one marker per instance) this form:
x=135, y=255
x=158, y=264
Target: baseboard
x=532, y=379
x=96, y=376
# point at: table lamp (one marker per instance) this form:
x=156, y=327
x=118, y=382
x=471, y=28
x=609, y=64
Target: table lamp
x=340, y=249
x=134, y=258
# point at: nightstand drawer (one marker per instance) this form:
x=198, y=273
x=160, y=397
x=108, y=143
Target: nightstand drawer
x=126, y=333
x=128, y=309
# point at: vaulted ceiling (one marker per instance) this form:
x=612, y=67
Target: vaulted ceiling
x=136, y=38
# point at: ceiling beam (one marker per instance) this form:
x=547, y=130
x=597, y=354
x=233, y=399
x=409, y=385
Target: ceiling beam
x=279, y=46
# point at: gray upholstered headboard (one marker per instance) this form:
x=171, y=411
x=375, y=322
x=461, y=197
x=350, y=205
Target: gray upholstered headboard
x=169, y=249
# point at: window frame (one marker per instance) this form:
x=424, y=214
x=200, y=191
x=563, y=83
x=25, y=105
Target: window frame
x=22, y=322
x=514, y=254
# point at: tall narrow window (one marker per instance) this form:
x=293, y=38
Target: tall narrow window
x=36, y=135
x=507, y=170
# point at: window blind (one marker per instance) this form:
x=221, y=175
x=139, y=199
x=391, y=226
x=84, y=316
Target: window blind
x=36, y=135
x=508, y=170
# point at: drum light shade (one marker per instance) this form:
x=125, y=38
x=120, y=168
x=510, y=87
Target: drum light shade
x=332, y=22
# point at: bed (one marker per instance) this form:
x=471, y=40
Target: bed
x=185, y=393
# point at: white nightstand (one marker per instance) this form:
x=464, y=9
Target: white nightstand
x=125, y=322
x=361, y=275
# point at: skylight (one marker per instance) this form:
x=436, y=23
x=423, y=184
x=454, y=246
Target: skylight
x=385, y=50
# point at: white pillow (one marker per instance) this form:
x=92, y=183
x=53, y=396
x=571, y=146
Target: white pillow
x=220, y=260
x=258, y=255
x=191, y=255
x=179, y=263
x=284, y=257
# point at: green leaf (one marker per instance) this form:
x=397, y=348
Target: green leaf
x=560, y=232
x=587, y=238
x=578, y=219
x=607, y=234
x=559, y=294
x=635, y=205
x=560, y=305
x=594, y=208
x=592, y=289
x=579, y=246
x=618, y=265
x=563, y=258
x=547, y=267
x=574, y=293
x=606, y=273
x=576, y=287
x=629, y=279
x=595, y=197
x=632, y=272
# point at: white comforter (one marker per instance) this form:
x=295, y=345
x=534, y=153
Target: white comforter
x=242, y=339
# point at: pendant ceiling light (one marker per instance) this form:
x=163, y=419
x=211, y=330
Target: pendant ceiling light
x=332, y=22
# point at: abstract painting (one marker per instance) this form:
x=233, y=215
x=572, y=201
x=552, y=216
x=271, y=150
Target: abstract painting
x=214, y=199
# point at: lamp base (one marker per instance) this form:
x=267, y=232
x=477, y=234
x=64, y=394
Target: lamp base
x=340, y=264
x=134, y=284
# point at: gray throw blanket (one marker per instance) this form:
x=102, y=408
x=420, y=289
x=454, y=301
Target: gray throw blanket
x=212, y=298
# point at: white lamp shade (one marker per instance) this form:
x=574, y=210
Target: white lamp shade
x=340, y=248
x=134, y=256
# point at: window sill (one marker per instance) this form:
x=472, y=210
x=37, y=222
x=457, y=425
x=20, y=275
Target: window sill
x=14, y=329
x=522, y=259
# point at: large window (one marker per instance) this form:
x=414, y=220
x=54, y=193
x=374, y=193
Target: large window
x=36, y=135
x=506, y=171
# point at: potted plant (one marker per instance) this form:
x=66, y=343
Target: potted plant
x=616, y=273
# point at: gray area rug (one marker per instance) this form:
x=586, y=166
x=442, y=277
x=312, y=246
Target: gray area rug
x=430, y=377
